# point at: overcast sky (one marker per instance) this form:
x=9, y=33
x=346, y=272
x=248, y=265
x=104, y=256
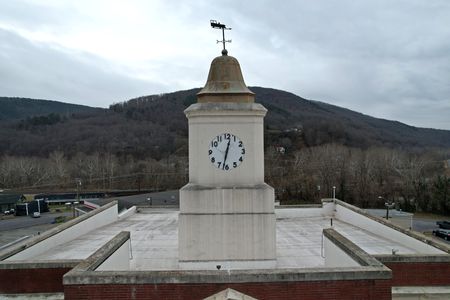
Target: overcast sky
x=385, y=58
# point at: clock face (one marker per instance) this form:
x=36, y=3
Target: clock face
x=226, y=151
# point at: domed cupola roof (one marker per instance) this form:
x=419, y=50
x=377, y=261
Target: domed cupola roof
x=225, y=82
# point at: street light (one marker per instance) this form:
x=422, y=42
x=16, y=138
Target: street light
x=388, y=204
x=334, y=192
x=78, y=183
x=39, y=204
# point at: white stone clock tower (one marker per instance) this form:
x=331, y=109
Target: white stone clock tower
x=226, y=210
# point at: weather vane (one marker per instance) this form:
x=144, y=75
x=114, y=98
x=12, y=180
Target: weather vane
x=217, y=25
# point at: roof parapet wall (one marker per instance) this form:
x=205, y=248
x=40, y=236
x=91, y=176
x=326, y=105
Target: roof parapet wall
x=8, y=253
x=412, y=234
x=351, y=249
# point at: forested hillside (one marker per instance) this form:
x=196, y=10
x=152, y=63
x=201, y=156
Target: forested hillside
x=21, y=108
x=156, y=126
x=310, y=147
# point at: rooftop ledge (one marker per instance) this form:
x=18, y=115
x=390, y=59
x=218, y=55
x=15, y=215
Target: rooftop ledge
x=288, y=268
x=85, y=272
x=416, y=235
x=10, y=251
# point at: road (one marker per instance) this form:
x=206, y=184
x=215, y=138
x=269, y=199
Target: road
x=23, y=226
x=154, y=199
x=423, y=225
x=11, y=229
x=427, y=225
x=24, y=221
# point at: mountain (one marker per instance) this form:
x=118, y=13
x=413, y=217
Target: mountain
x=324, y=123
x=19, y=108
x=155, y=126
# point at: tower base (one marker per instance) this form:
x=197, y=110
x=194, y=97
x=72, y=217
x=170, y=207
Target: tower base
x=235, y=225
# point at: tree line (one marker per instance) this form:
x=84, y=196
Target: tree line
x=367, y=178
x=97, y=172
x=364, y=177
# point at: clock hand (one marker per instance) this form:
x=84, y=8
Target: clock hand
x=226, y=154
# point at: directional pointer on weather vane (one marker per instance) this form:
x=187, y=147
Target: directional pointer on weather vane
x=217, y=25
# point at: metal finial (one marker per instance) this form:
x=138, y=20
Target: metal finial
x=217, y=25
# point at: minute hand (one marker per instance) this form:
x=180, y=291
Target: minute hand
x=226, y=154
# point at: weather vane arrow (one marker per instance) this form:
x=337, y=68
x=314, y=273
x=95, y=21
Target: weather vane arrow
x=217, y=25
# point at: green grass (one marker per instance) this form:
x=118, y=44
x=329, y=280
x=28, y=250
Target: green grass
x=430, y=216
x=61, y=219
x=59, y=208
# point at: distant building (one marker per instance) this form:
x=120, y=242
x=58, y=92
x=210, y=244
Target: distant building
x=61, y=198
x=28, y=208
x=280, y=149
x=8, y=201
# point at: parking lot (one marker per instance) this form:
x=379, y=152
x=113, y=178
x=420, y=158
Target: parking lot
x=15, y=227
x=427, y=223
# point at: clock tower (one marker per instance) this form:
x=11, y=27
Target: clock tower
x=226, y=210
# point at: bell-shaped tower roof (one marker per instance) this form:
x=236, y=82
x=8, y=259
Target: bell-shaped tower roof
x=225, y=82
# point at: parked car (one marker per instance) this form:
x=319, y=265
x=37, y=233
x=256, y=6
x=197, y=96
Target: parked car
x=443, y=224
x=36, y=214
x=443, y=233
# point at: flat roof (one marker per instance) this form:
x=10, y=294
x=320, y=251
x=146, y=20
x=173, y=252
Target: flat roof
x=154, y=240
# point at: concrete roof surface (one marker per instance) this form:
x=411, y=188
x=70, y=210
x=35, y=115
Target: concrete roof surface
x=154, y=241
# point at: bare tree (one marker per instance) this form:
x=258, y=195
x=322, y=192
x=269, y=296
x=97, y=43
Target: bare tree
x=58, y=166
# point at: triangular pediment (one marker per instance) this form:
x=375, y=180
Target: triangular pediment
x=230, y=294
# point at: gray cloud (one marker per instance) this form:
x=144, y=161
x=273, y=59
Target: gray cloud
x=38, y=70
x=34, y=14
x=389, y=59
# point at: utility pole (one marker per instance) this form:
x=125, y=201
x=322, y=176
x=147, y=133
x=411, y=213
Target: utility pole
x=78, y=185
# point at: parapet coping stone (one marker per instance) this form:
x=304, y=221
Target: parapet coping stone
x=8, y=252
x=39, y=264
x=427, y=292
x=33, y=296
x=311, y=205
x=144, y=207
x=413, y=258
x=226, y=276
x=351, y=249
x=418, y=236
x=103, y=253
